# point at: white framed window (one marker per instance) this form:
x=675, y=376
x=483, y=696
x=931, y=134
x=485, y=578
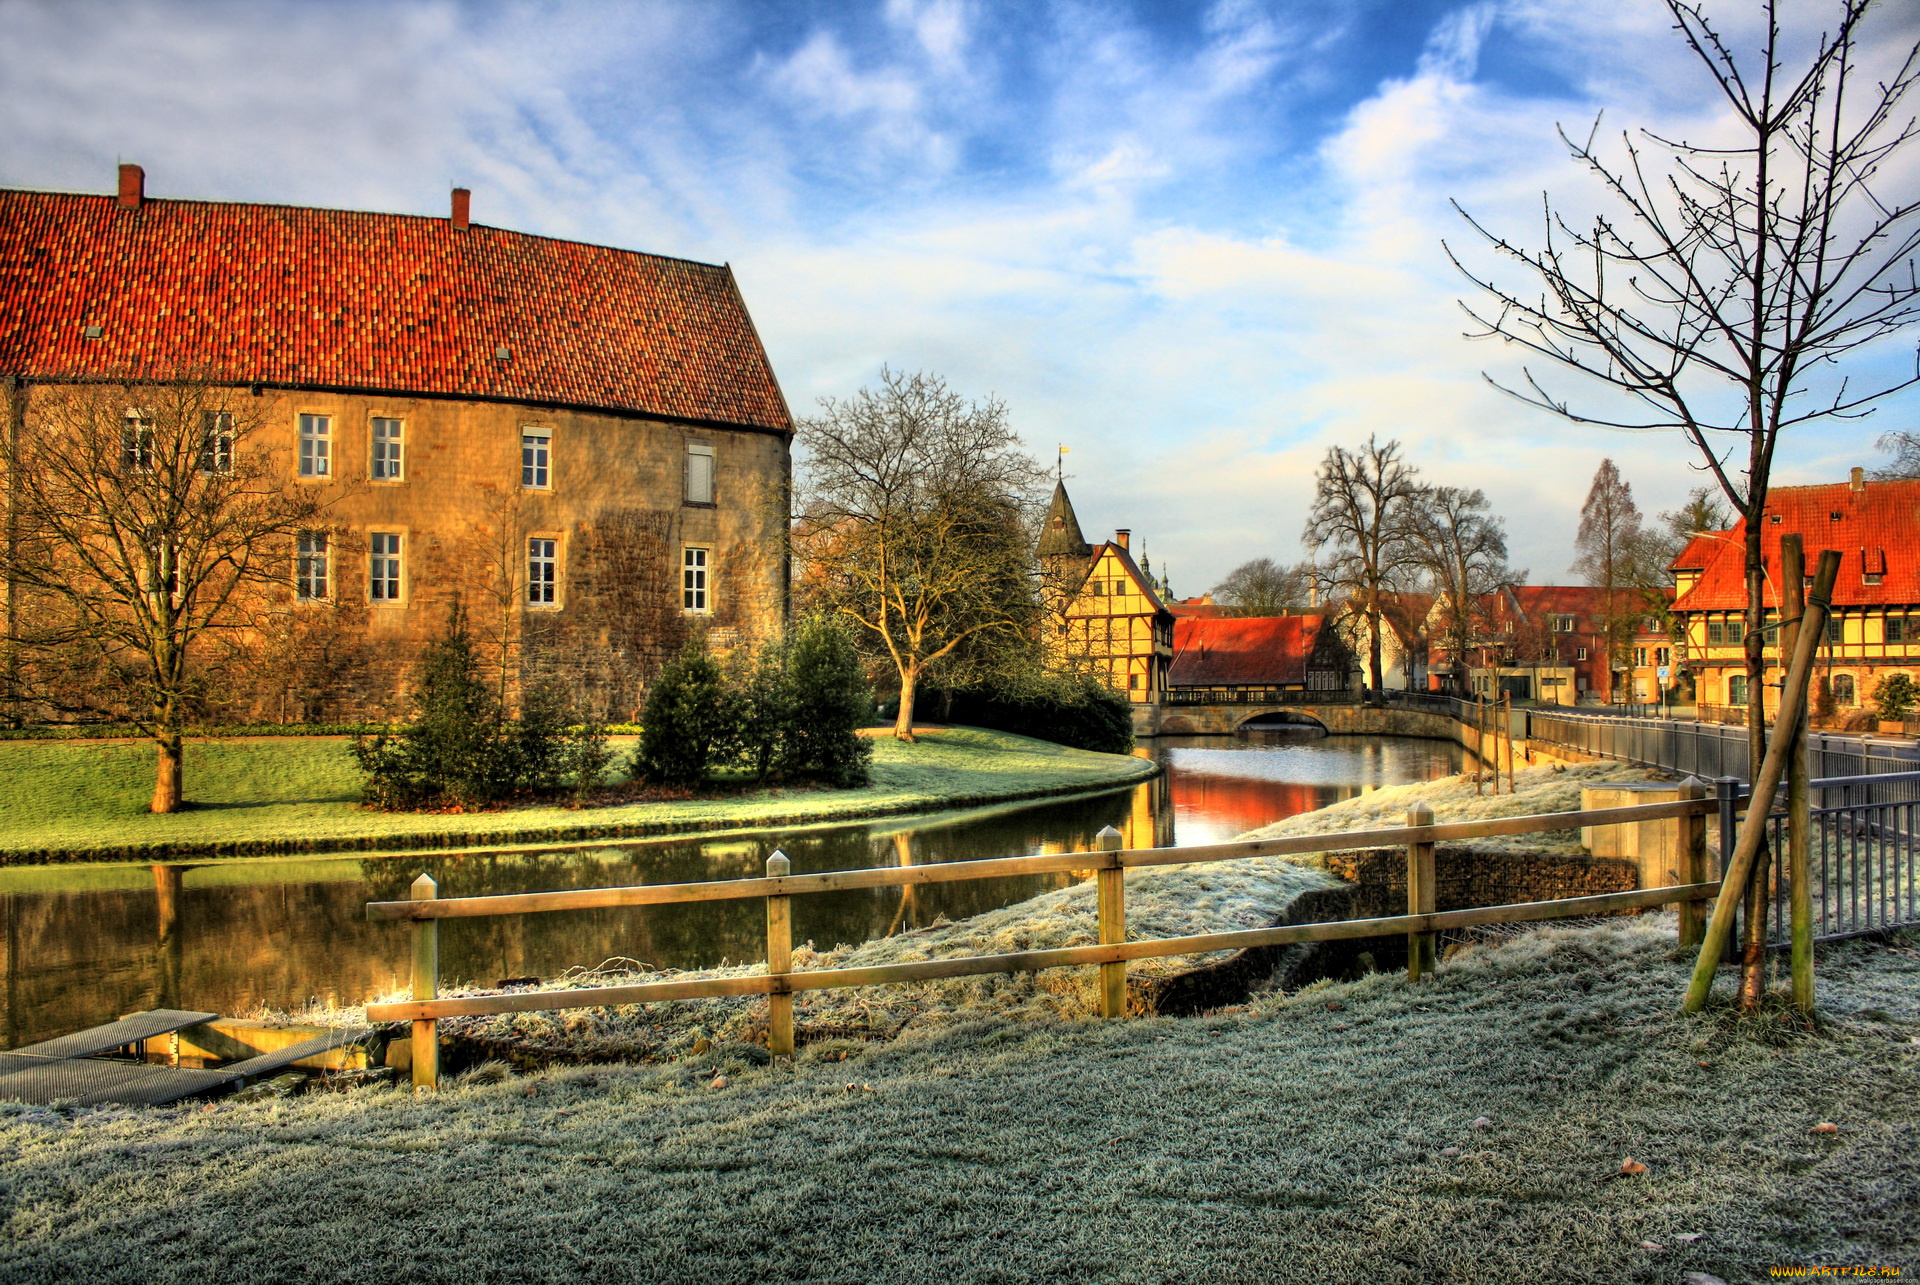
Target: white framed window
x=388, y=458
x=311, y=571
x=216, y=442
x=699, y=475
x=316, y=445
x=1562, y=624
x=1579, y=653
x=543, y=571
x=385, y=575
x=695, y=590
x=136, y=442
x=536, y=459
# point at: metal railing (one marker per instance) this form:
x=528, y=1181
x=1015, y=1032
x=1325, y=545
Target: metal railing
x=1864, y=857
x=1710, y=750
x=1261, y=696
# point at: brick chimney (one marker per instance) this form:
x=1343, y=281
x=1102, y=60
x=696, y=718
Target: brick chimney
x=1859, y=481
x=133, y=187
x=1121, y=537
x=462, y=201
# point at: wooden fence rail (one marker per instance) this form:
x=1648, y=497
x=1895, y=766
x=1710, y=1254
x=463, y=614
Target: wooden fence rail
x=1109, y=862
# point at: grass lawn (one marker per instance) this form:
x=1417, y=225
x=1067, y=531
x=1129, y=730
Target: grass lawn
x=1471, y=1128
x=87, y=800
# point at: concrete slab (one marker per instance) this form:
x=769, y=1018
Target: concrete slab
x=267, y=1063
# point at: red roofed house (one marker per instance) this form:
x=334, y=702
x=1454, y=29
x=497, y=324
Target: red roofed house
x=591, y=437
x=1539, y=642
x=1257, y=658
x=1875, y=627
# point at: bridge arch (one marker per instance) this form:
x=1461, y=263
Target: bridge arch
x=1224, y=720
x=1279, y=717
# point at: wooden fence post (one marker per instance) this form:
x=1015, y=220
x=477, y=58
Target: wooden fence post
x=1693, y=862
x=1421, y=955
x=426, y=985
x=779, y=960
x=1111, y=885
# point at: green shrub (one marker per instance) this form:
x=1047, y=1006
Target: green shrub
x=691, y=722
x=461, y=749
x=1080, y=710
x=828, y=702
x=1896, y=695
x=763, y=711
x=792, y=712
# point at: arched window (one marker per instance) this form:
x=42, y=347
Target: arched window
x=1843, y=692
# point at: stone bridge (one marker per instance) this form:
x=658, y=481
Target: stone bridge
x=1345, y=719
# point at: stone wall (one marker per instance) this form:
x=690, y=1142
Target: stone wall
x=1464, y=879
x=614, y=503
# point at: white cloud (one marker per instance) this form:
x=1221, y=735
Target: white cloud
x=1155, y=250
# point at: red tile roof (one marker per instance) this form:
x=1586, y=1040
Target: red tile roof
x=382, y=302
x=1880, y=520
x=1243, y=651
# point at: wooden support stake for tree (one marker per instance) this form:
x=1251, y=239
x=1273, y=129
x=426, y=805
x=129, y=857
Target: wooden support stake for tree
x=1740, y=866
x=1506, y=733
x=1479, y=743
x=1422, y=956
x=1693, y=861
x=1111, y=886
x=779, y=960
x=426, y=985
x=1793, y=579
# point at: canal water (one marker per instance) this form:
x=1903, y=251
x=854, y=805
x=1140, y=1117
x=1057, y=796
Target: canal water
x=84, y=944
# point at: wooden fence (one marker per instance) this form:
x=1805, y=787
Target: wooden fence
x=1109, y=862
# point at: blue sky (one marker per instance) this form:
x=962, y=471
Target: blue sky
x=1195, y=243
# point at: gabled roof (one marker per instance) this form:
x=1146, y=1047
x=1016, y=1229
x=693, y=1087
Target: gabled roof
x=340, y=299
x=1140, y=582
x=1060, y=533
x=1879, y=521
x=1243, y=651
x=1539, y=601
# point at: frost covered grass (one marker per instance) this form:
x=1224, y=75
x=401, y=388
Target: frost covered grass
x=1548, y=787
x=70, y=800
x=1328, y=1135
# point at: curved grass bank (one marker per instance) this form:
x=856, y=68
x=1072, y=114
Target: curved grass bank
x=86, y=802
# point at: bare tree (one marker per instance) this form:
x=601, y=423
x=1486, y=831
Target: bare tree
x=916, y=523
x=1263, y=587
x=1736, y=272
x=1608, y=554
x=1358, y=523
x=1905, y=449
x=149, y=534
x=1461, y=549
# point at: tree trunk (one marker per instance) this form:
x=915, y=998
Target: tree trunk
x=1753, y=955
x=1373, y=644
x=167, y=780
x=903, y=722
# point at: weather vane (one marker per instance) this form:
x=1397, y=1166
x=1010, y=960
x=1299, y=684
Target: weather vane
x=1060, y=464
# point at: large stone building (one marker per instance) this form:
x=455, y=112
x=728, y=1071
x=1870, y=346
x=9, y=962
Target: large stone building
x=588, y=445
